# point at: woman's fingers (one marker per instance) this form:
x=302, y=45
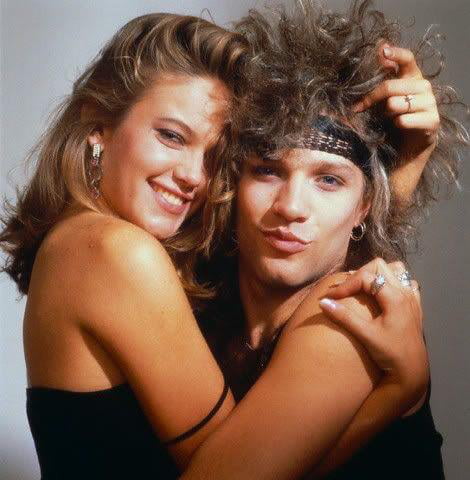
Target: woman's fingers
x=399, y=268
x=393, y=88
x=352, y=322
x=362, y=281
x=398, y=105
x=428, y=121
x=407, y=66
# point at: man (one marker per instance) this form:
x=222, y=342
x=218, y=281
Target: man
x=302, y=198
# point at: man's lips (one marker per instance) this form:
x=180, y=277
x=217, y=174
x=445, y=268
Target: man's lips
x=285, y=241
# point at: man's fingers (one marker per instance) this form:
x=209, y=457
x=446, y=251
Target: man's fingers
x=407, y=66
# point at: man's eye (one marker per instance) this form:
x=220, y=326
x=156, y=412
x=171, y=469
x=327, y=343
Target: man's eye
x=171, y=136
x=330, y=181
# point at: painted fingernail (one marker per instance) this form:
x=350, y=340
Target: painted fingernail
x=387, y=52
x=328, y=303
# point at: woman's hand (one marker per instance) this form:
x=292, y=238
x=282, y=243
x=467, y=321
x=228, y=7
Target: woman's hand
x=409, y=101
x=394, y=339
x=395, y=342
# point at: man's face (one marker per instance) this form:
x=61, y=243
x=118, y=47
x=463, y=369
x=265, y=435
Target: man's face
x=295, y=215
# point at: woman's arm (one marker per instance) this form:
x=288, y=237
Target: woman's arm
x=304, y=407
x=417, y=120
x=406, y=375
x=315, y=382
x=129, y=298
x=155, y=341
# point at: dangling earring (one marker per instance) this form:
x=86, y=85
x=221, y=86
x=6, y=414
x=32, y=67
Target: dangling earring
x=94, y=171
x=358, y=236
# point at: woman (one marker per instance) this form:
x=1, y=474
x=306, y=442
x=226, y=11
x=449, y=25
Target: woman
x=85, y=328
x=148, y=113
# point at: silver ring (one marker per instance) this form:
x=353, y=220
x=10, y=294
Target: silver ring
x=377, y=284
x=405, y=278
x=408, y=99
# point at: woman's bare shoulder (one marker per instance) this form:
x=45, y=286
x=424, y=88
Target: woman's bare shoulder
x=104, y=259
x=95, y=240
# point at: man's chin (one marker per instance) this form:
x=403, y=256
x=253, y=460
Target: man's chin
x=295, y=279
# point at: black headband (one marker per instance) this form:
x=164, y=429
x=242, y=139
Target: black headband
x=327, y=136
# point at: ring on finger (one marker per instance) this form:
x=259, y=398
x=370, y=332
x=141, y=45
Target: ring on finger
x=405, y=278
x=408, y=99
x=377, y=284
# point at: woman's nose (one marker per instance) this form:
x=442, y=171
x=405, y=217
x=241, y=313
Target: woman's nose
x=190, y=171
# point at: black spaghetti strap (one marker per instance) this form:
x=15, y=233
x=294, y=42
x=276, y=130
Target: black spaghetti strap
x=203, y=422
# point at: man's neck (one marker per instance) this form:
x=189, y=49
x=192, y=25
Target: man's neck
x=266, y=308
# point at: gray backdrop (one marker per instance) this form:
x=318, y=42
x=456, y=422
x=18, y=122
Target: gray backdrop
x=44, y=44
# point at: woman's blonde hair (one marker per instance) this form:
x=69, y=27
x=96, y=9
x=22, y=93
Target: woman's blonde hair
x=110, y=85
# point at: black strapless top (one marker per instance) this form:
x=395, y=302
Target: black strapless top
x=95, y=435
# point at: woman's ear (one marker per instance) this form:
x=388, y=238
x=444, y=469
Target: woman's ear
x=94, y=138
x=89, y=114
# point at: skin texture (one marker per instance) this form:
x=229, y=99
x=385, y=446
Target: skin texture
x=160, y=146
x=81, y=336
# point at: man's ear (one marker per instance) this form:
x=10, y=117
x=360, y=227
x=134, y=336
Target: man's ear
x=363, y=211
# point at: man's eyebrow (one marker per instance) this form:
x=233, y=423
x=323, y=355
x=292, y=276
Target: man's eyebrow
x=178, y=122
x=328, y=164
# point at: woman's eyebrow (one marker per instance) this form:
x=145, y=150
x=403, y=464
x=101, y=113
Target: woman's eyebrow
x=178, y=122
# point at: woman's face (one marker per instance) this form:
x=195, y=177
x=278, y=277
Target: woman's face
x=295, y=215
x=153, y=160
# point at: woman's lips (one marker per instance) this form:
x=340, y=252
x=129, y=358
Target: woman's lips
x=285, y=243
x=170, y=202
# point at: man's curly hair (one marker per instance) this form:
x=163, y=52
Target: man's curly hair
x=307, y=61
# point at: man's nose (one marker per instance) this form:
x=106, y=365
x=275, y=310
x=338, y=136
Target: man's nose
x=291, y=202
x=190, y=170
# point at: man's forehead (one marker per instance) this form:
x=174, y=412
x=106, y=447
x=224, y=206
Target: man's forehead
x=304, y=157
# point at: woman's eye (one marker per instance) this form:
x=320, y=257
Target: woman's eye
x=171, y=136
